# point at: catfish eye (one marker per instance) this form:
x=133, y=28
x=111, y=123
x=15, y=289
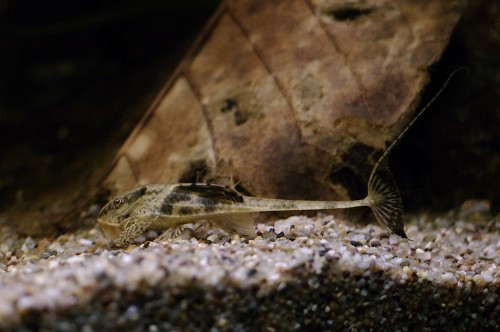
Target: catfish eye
x=119, y=201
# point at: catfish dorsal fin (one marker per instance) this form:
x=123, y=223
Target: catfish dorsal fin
x=213, y=192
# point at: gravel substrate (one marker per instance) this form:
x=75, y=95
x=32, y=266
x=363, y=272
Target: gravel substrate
x=300, y=274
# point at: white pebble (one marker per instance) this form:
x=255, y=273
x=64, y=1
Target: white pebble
x=449, y=277
x=85, y=242
x=488, y=278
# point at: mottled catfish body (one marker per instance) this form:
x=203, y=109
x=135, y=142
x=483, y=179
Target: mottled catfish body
x=166, y=207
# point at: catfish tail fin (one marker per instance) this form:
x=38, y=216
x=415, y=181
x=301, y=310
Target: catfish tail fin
x=384, y=197
x=385, y=200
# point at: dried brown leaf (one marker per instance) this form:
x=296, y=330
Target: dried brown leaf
x=289, y=93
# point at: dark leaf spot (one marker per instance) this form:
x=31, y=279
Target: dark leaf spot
x=239, y=117
x=231, y=106
x=348, y=14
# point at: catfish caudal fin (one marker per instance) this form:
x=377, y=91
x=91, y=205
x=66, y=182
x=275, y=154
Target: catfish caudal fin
x=383, y=193
x=385, y=200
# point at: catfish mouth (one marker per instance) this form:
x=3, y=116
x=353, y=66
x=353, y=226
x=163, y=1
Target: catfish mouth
x=111, y=232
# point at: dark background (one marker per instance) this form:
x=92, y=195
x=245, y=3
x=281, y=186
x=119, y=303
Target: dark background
x=453, y=152
x=75, y=77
